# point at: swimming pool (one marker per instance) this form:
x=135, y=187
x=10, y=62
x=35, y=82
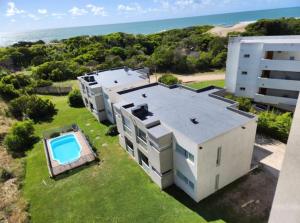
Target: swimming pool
x=65, y=149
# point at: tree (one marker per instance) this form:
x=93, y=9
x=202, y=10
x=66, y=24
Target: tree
x=20, y=137
x=75, y=98
x=33, y=107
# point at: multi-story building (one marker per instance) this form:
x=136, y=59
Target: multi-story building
x=98, y=89
x=265, y=68
x=195, y=139
x=286, y=204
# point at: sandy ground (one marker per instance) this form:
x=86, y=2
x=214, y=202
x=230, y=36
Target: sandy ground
x=223, y=31
x=194, y=78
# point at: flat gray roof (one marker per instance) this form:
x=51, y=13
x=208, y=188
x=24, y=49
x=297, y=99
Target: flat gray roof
x=117, y=77
x=177, y=106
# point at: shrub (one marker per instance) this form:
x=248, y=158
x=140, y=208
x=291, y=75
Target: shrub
x=75, y=99
x=32, y=106
x=245, y=104
x=4, y=175
x=275, y=125
x=112, y=131
x=8, y=92
x=20, y=137
x=43, y=83
x=168, y=79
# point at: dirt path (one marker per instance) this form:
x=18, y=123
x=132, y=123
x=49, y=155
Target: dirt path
x=198, y=77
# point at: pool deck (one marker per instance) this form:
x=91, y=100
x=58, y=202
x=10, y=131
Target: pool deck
x=86, y=155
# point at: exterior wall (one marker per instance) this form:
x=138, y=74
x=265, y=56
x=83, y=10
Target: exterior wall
x=285, y=63
x=236, y=154
x=286, y=204
x=185, y=166
x=251, y=66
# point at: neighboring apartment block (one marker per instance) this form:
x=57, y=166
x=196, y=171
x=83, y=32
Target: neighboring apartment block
x=286, y=204
x=195, y=139
x=98, y=89
x=265, y=68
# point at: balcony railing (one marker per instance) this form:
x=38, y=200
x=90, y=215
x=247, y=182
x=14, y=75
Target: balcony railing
x=130, y=150
x=145, y=166
x=127, y=129
x=142, y=142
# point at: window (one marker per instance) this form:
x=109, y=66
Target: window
x=184, y=153
x=91, y=106
x=246, y=55
x=219, y=156
x=217, y=181
x=86, y=101
x=292, y=58
x=244, y=72
x=185, y=179
x=242, y=88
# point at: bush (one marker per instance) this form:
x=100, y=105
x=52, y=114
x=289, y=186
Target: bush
x=54, y=134
x=33, y=107
x=8, y=92
x=275, y=125
x=245, y=104
x=75, y=99
x=20, y=137
x=4, y=175
x=112, y=131
x=168, y=79
x=43, y=83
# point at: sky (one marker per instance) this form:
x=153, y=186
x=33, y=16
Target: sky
x=21, y=15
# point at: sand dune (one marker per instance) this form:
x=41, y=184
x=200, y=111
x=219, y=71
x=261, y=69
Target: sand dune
x=223, y=31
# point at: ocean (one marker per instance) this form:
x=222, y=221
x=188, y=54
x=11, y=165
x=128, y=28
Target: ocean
x=147, y=27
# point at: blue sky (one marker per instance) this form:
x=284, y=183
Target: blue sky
x=19, y=15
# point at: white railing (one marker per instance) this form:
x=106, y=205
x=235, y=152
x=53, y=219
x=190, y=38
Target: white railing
x=127, y=129
x=142, y=142
x=145, y=166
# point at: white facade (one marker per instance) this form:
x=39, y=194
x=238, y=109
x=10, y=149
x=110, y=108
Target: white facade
x=98, y=89
x=266, y=69
x=200, y=158
x=286, y=204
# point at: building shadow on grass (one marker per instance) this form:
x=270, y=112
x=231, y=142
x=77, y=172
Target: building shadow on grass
x=247, y=200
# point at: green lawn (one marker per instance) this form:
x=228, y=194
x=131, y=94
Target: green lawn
x=68, y=83
x=203, y=84
x=117, y=190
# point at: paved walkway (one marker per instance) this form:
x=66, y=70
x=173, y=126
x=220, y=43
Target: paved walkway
x=269, y=152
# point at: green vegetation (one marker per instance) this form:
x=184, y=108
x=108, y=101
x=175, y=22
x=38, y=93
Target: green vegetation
x=4, y=175
x=115, y=190
x=20, y=137
x=245, y=104
x=203, y=84
x=75, y=98
x=33, y=107
x=275, y=125
x=168, y=79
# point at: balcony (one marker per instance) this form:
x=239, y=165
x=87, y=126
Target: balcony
x=141, y=142
x=145, y=166
x=130, y=150
x=284, y=84
x=280, y=65
x=274, y=100
x=127, y=130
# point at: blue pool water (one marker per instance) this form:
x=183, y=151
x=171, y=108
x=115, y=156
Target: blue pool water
x=65, y=149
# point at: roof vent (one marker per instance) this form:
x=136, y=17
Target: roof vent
x=116, y=81
x=194, y=121
x=144, y=95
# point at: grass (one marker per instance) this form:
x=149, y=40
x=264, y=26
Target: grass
x=116, y=190
x=68, y=83
x=203, y=84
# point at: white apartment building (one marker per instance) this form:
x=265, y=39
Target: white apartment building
x=265, y=68
x=195, y=139
x=98, y=89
